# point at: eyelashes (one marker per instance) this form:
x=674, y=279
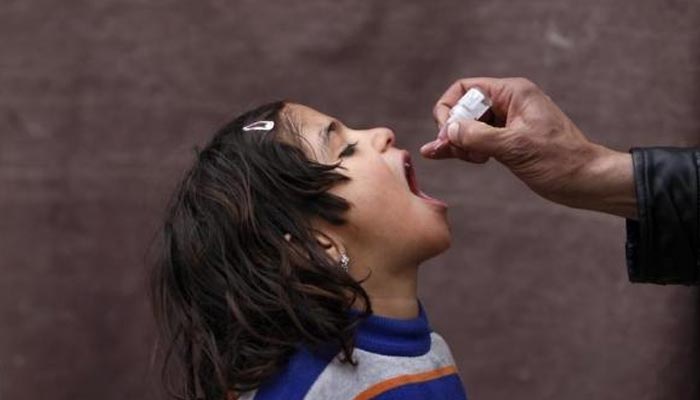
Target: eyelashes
x=348, y=150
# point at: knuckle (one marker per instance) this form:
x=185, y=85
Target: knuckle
x=525, y=85
x=466, y=130
x=436, y=110
x=524, y=82
x=461, y=139
x=519, y=146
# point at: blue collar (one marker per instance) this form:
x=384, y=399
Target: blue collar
x=395, y=337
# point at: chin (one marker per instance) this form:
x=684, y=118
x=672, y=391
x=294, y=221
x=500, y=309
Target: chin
x=437, y=241
x=444, y=244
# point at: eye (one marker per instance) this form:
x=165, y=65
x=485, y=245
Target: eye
x=348, y=150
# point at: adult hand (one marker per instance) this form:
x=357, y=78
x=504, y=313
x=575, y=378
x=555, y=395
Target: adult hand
x=533, y=138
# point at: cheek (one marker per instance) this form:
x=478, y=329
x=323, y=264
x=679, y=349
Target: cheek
x=384, y=211
x=380, y=200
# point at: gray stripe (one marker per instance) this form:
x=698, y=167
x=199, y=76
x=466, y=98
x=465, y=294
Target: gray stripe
x=343, y=381
x=248, y=395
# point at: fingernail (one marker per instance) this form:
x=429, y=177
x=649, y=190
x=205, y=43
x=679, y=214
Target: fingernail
x=453, y=130
x=438, y=145
x=442, y=133
x=427, y=147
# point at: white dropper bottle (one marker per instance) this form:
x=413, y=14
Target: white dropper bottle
x=473, y=105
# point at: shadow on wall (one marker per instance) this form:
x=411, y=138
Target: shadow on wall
x=694, y=139
x=689, y=378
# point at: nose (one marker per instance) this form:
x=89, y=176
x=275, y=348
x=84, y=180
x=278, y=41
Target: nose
x=383, y=138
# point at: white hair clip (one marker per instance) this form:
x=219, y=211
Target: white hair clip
x=260, y=126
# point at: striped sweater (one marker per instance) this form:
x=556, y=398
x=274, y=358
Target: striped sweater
x=397, y=359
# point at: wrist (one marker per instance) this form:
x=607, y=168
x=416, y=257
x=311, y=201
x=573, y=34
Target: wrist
x=608, y=180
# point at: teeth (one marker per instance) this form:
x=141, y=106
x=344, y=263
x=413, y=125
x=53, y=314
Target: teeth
x=407, y=171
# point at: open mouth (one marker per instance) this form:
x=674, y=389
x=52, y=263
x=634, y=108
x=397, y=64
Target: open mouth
x=413, y=183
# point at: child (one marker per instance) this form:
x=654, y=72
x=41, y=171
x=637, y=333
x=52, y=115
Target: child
x=289, y=266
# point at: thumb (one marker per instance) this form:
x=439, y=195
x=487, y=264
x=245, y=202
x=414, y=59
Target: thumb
x=475, y=136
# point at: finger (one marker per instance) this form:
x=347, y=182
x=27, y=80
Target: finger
x=443, y=149
x=446, y=150
x=471, y=156
x=441, y=110
x=442, y=134
x=436, y=149
x=452, y=95
x=500, y=91
x=476, y=137
x=479, y=158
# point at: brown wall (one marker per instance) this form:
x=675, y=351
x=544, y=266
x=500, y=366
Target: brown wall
x=101, y=103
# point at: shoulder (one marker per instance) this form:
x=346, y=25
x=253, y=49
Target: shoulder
x=295, y=379
x=440, y=348
x=378, y=373
x=315, y=376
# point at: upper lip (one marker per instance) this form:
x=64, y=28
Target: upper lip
x=405, y=158
x=407, y=168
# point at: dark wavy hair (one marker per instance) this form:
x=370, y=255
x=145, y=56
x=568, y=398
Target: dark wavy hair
x=232, y=296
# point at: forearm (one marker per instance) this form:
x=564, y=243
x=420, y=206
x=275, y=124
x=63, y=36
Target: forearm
x=611, y=178
x=604, y=183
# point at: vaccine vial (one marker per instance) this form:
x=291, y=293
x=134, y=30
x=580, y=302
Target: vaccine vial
x=473, y=105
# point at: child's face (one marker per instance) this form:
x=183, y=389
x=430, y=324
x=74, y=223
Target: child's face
x=387, y=222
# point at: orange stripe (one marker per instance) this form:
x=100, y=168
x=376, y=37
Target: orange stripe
x=401, y=380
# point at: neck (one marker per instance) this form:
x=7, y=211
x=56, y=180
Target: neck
x=394, y=295
x=400, y=308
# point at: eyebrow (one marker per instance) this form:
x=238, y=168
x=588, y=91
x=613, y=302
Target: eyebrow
x=325, y=135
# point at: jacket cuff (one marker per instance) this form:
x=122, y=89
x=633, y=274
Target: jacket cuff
x=662, y=245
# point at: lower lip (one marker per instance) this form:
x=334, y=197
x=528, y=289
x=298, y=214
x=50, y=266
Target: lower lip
x=431, y=200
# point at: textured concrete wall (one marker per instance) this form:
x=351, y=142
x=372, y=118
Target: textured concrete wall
x=102, y=101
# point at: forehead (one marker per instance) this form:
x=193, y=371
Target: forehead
x=307, y=117
x=310, y=124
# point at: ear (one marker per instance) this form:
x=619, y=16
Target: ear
x=330, y=243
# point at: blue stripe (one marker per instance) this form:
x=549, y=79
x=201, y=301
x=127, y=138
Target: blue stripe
x=295, y=380
x=395, y=337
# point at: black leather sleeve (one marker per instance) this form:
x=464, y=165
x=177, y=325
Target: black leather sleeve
x=662, y=245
